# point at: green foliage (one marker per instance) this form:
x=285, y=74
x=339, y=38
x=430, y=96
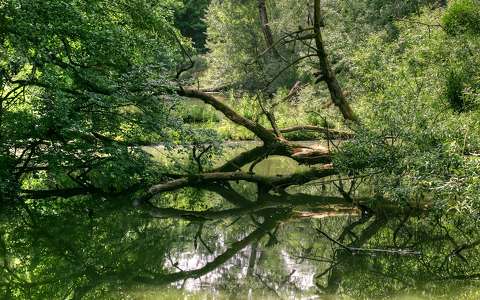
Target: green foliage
x=417, y=145
x=229, y=54
x=84, y=83
x=368, y=16
x=82, y=249
x=457, y=90
x=237, y=56
x=462, y=16
x=189, y=19
x=193, y=112
x=80, y=83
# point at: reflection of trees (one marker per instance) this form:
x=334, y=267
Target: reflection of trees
x=77, y=252
x=447, y=256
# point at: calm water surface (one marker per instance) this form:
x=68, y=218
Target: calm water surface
x=319, y=252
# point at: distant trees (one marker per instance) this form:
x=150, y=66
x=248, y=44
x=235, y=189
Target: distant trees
x=189, y=19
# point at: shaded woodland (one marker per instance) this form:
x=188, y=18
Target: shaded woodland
x=248, y=137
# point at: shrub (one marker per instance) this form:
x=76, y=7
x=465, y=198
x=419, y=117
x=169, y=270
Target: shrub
x=455, y=84
x=462, y=16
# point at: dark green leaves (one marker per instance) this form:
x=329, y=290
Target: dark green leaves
x=462, y=16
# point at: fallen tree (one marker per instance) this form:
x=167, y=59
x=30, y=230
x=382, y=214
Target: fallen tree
x=273, y=143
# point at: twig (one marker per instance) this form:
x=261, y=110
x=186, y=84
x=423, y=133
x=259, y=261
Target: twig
x=333, y=240
x=198, y=235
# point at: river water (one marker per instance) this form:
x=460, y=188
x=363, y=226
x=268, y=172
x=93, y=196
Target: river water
x=327, y=255
x=307, y=242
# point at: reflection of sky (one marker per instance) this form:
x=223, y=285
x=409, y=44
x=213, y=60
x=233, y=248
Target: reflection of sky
x=192, y=259
x=302, y=274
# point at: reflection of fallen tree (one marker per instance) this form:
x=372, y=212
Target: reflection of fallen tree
x=273, y=215
x=300, y=204
x=262, y=230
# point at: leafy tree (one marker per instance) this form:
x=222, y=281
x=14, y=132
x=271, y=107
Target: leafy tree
x=81, y=82
x=189, y=19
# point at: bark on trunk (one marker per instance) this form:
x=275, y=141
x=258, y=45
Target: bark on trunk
x=336, y=93
x=267, y=32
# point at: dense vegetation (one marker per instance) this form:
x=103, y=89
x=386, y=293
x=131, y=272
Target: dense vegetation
x=117, y=120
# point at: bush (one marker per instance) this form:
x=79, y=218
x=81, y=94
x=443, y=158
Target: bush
x=462, y=16
x=461, y=89
x=455, y=84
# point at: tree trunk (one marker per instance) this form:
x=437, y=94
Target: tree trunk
x=267, y=32
x=338, y=98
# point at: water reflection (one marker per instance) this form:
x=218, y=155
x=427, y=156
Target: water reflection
x=237, y=241
x=248, y=262
x=376, y=256
x=270, y=252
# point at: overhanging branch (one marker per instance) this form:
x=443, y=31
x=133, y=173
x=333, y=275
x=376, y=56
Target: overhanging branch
x=261, y=132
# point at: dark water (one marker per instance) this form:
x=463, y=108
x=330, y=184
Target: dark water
x=305, y=248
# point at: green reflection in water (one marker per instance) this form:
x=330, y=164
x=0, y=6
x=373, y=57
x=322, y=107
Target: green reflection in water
x=305, y=248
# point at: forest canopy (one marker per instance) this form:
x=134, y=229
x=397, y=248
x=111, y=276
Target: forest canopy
x=131, y=129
